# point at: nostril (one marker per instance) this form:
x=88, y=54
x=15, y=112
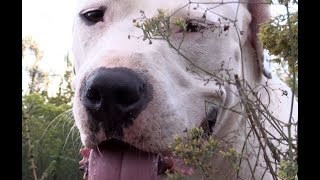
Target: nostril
x=94, y=95
x=93, y=99
x=127, y=97
x=125, y=101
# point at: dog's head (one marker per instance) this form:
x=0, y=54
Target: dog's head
x=146, y=94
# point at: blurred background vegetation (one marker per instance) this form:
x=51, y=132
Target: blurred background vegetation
x=50, y=148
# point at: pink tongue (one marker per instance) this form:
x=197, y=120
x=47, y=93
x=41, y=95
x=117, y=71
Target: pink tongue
x=118, y=164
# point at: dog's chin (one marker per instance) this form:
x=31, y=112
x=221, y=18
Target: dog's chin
x=114, y=159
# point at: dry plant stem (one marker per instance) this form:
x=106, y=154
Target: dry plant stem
x=275, y=125
x=33, y=166
x=249, y=116
x=294, y=84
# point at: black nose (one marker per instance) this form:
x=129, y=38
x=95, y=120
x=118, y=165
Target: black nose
x=114, y=96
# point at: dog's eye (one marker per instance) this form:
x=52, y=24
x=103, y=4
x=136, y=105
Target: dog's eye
x=94, y=15
x=194, y=25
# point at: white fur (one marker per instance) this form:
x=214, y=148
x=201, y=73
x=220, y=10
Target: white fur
x=179, y=95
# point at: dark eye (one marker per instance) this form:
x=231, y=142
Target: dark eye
x=195, y=25
x=192, y=27
x=94, y=15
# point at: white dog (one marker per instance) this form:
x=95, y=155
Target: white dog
x=130, y=92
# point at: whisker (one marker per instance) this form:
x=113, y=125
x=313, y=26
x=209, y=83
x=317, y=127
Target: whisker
x=65, y=142
x=59, y=116
x=63, y=115
x=99, y=151
x=66, y=123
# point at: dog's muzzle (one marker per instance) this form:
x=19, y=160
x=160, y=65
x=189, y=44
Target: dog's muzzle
x=113, y=97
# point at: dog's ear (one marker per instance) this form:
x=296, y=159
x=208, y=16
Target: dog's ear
x=260, y=13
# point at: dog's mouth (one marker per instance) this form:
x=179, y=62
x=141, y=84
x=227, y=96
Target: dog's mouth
x=114, y=159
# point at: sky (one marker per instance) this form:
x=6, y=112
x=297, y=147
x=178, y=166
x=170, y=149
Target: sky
x=50, y=25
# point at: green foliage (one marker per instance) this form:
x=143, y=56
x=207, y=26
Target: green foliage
x=275, y=36
x=38, y=78
x=282, y=40
x=181, y=24
x=56, y=154
x=157, y=27
x=288, y=170
x=50, y=144
x=198, y=151
x=193, y=148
